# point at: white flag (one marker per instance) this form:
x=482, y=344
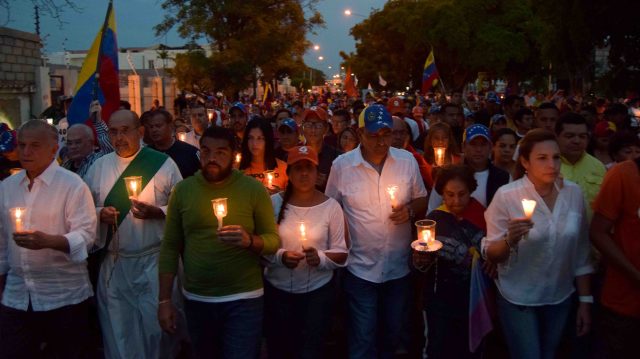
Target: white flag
x=381, y=81
x=355, y=80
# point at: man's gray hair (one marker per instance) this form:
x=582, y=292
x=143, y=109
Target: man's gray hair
x=31, y=125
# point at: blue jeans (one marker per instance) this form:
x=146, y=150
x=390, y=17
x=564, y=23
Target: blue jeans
x=225, y=330
x=533, y=332
x=296, y=325
x=377, y=313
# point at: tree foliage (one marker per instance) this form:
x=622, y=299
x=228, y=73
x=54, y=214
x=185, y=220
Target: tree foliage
x=512, y=39
x=250, y=40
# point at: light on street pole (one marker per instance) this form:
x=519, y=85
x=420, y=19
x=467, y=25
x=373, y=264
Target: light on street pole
x=316, y=47
x=347, y=12
x=329, y=67
x=320, y=58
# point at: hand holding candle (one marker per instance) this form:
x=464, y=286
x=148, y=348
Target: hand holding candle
x=219, y=209
x=134, y=186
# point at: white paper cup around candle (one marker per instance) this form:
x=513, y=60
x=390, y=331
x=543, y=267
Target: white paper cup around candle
x=439, y=153
x=219, y=209
x=134, y=186
x=392, y=191
x=528, y=207
x=426, y=241
x=18, y=215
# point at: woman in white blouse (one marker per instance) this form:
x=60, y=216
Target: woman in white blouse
x=540, y=258
x=299, y=289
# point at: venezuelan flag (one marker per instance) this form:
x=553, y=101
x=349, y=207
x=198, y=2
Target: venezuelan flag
x=429, y=74
x=98, y=78
x=482, y=299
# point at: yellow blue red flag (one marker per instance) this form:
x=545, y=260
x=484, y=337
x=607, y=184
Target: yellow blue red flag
x=98, y=78
x=429, y=74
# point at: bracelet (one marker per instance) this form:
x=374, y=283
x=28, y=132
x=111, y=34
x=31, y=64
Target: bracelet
x=250, y=241
x=585, y=299
x=164, y=301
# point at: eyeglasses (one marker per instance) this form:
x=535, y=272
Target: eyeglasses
x=313, y=125
x=115, y=133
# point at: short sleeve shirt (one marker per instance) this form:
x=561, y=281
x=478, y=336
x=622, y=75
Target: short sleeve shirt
x=619, y=201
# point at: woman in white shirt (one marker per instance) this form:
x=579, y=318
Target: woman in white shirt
x=298, y=279
x=539, y=258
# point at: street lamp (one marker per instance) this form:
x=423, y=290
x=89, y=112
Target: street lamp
x=320, y=58
x=329, y=67
x=348, y=12
x=316, y=47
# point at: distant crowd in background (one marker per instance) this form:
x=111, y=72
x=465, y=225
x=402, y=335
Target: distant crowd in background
x=291, y=222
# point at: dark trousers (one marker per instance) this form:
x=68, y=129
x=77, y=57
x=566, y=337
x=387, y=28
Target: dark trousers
x=225, y=330
x=620, y=333
x=296, y=325
x=64, y=330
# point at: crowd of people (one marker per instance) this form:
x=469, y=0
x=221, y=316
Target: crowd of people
x=239, y=230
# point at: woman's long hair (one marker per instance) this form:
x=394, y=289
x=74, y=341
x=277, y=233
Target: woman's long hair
x=269, y=155
x=532, y=138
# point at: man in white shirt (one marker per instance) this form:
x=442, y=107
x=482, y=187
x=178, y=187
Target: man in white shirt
x=130, y=230
x=477, y=149
x=377, y=279
x=44, y=283
x=199, y=123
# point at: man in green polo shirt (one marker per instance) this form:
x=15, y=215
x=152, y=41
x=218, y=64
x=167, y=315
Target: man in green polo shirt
x=222, y=276
x=577, y=165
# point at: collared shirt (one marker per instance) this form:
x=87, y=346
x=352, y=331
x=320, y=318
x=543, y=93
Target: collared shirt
x=588, y=173
x=380, y=249
x=557, y=249
x=58, y=203
x=192, y=138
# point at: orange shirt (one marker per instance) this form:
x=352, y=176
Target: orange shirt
x=280, y=174
x=619, y=201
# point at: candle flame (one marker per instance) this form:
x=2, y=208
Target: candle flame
x=529, y=207
x=238, y=158
x=133, y=185
x=182, y=136
x=439, y=158
x=426, y=235
x=303, y=231
x=220, y=209
x=18, y=213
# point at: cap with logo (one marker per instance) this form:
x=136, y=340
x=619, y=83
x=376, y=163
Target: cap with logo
x=476, y=130
x=374, y=118
x=315, y=112
x=300, y=153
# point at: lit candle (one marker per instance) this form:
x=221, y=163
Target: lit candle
x=238, y=158
x=134, y=186
x=18, y=214
x=14, y=171
x=50, y=121
x=392, y=190
x=219, y=210
x=439, y=155
x=528, y=206
x=182, y=136
x=303, y=233
x=210, y=114
x=269, y=176
x=426, y=241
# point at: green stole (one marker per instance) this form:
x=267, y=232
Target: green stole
x=146, y=164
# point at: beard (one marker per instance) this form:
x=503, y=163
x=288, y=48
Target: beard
x=219, y=175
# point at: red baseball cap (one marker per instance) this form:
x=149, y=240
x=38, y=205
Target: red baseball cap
x=317, y=112
x=300, y=153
